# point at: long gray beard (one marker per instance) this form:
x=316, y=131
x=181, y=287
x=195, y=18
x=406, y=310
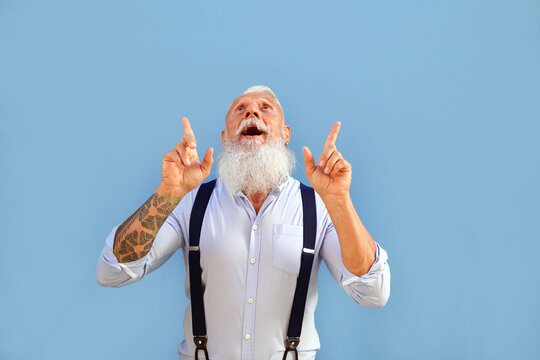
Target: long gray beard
x=255, y=168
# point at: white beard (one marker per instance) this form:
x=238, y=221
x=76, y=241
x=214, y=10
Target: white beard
x=246, y=165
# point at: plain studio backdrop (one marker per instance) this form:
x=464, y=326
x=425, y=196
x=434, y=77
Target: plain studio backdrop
x=439, y=104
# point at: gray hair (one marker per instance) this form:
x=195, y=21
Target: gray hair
x=262, y=89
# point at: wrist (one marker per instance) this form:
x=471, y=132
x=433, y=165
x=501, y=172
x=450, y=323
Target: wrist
x=337, y=199
x=175, y=192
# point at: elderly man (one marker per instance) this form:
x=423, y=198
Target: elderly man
x=251, y=257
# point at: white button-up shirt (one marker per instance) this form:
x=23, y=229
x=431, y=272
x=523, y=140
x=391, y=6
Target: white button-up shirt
x=250, y=263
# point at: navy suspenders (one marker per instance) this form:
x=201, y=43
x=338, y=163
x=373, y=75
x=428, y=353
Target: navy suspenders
x=197, y=303
x=302, y=284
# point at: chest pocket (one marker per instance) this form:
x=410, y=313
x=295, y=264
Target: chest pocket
x=287, y=246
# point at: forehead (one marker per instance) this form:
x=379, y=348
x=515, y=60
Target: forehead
x=254, y=97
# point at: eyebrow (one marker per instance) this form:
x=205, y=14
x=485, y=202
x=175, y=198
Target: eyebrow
x=263, y=101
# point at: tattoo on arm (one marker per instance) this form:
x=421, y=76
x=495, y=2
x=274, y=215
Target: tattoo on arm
x=134, y=238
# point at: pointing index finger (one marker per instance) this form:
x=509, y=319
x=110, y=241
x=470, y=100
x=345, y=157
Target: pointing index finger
x=332, y=137
x=188, y=137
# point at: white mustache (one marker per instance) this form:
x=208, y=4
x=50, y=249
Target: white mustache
x=261, y=126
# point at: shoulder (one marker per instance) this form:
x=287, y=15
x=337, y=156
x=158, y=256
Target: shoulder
x=185, y=204
x=182, y=212
x=292, y=188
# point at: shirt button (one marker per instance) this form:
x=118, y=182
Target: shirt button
x=248, y=336
x=255, y=227
x=252, y=261
x=250, y=300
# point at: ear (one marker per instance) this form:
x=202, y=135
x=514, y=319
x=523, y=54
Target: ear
x=223, y=138
x=287, y=129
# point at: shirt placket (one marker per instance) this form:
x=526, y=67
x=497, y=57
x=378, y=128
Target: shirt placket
x=252, y=273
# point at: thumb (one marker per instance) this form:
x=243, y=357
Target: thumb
x=207, y=162
x=308, y=161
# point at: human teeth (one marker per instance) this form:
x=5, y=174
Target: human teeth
x=251, y=131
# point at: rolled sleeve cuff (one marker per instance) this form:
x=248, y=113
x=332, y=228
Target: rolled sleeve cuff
x=381, y=258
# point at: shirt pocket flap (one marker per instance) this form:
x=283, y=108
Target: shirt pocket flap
x=287, y=246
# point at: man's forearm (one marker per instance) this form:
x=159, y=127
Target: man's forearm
x=357, y=247
x=135, y=236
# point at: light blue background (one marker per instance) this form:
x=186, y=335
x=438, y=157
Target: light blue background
x=439, y=102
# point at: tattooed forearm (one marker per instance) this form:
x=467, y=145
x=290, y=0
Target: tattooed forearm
x=134, y=238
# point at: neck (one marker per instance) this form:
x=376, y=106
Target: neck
x=257, y=200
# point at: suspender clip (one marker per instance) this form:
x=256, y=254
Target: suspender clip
x=200, y=343
x=290, y=345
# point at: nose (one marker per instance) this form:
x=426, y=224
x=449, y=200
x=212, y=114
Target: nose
x=251, y=111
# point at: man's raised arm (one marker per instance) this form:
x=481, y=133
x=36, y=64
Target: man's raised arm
x=181, y=172
x=331, y=178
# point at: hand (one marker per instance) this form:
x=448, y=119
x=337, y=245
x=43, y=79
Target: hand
x=332, y=175
x=181, y=170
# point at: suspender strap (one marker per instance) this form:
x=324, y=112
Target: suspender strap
x=197, y=304
x=306, y=262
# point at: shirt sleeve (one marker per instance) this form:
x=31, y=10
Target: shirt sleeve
x=111, y=273
x=371, y=289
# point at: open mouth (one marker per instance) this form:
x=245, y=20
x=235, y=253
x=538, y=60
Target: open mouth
x=252, y=131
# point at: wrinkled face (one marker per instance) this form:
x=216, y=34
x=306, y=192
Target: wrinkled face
x=255, y=106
